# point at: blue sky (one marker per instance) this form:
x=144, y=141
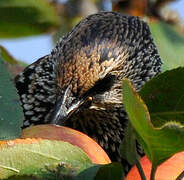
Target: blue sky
x=31, y=48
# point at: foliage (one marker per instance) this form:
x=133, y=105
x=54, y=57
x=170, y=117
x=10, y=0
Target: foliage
x=158, y=143
x=23, y=18
x=11, y=114
x=6, y=56
x=98, y=172
x=164, y=97
x=157, y=124
x=37, y=156
x=169, y=43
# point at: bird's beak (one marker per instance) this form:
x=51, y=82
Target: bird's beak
x=64, y=109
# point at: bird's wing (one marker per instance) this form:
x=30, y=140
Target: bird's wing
x=36, y=88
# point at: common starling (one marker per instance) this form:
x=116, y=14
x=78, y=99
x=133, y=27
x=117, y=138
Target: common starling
x=79, y=84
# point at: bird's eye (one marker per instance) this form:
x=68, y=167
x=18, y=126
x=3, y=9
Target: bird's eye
x=103, y=85
x=100, y=87
x=90, y=98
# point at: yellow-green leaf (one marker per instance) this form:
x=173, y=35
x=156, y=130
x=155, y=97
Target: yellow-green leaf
x=32, y=158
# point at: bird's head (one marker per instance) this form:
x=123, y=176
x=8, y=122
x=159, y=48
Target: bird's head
x=91, y=79
x=92, y=60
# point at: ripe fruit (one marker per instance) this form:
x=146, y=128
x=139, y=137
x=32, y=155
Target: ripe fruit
x=53, y=132
x=168, y=170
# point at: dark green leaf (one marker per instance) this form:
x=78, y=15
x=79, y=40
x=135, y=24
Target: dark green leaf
x=158, y=143
x=128, y=146
x=11, y=115
x=128, y=149
x=110, y=171
x=164, y=96
x=22, y=18
x=98, y=172
x=89, y=173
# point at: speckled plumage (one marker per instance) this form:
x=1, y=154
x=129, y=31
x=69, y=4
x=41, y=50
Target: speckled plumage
x=90, y=61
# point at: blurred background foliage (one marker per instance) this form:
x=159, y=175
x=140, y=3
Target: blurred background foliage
x=57, y=17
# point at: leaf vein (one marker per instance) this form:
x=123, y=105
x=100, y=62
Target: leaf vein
x=43, y=154
x=9, y=168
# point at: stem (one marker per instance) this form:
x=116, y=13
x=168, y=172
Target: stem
x=180, y=176
x=140, y=169
x=153, y=171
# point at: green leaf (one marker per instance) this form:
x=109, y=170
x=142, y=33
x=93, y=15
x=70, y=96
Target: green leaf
x=164, y=96
x=128, y=149
x=128, y=146
x=170, y=44
x=159, y=143
x=89, y=173
x=62, y=171
x=109, y=171
x=39, y=156
x=26, y=178
x=11, y=115
x=23, y=18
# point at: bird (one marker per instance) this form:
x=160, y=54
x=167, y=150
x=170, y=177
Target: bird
x=79, y=84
